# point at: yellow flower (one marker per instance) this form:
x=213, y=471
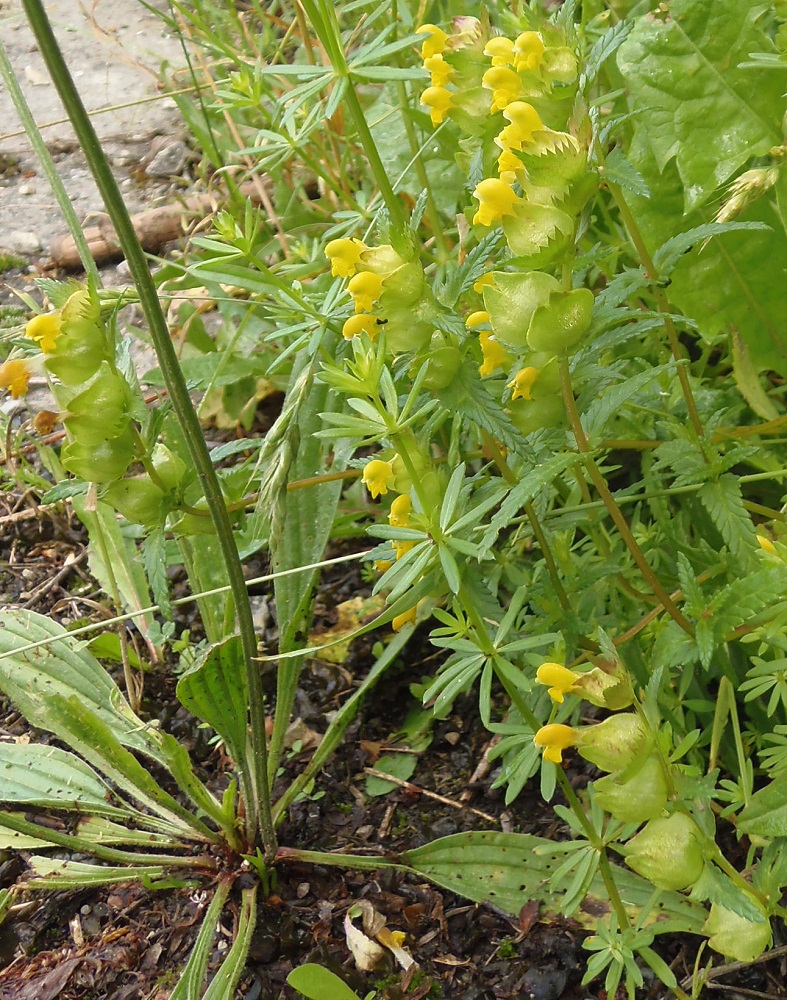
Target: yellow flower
x=377, y=477
x=440, y=71
x=476, y=319
x=560, y=679
x=356, y=324
x=401, y=509
x=495, y=355
x=767, y=545
x=501, y=50
x=524, y=120
x=486, y=279
x=528, y=52
x=439, y=102
x=382, y=565
x=496, y=199
x=44, y=330
x=344, y=256
x=505, y=85
x=365, y=288
x=15, y=375
x=435, y=43
x=401, y=548
x=555, y=738
x=403, y=619
x=508, y=163
x=522, y=383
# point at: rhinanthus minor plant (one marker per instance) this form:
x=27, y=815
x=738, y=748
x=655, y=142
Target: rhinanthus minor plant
x=547, y=338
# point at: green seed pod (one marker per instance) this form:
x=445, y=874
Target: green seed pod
x=101, y=462
x=79, y=352
x=642, y=796
x=667, y=852
x=616, y=742
x=170, y=467
x=735, y=936
x=562, y=321
x=402, y=287
x=443, y=359
x=512, y=301
x=101, y=410
x=138, y=500
x=534, y=414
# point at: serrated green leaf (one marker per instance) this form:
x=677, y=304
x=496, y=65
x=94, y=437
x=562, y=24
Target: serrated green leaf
x=668, y=255
x=467, y=395
x=683, y=72
x=723, y=501
x=618, y=169
x=766, y=813
x=154, y=555
x=595, y=418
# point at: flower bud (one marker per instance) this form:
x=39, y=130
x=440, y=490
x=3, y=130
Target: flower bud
x=642, y=796
x=614, y=743
x=735, y=936
x=667, y=852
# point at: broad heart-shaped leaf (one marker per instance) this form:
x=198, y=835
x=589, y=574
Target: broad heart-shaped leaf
x=511, y=869
x=696, y=104
x=215, y=691
x=733, y=282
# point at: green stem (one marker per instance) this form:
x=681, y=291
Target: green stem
x=609, y=502
x=663, y=305
x=259, y=818
x=357, y=861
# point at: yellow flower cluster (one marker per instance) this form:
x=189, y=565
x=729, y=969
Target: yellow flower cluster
x=436, y=97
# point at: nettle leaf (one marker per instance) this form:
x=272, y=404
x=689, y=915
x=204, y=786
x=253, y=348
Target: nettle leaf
x=683, y=72
x=723, y=501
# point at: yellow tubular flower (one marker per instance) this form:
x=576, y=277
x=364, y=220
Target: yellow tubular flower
x=365, y=289
x=507, y=165
x=501, y=51
x=555, y=738
x=766, y=545
x=401, y=509
x=522, y=383
x=14, y=376
x=505, y=85
x=344, y=256
x=440, y=71
x=496, y=199
x=356, y=324
x=560, y=679
x=377, y=477
x=483, y=281
x=44, y=330
x=528, y=52
x=382, y=565
x=476, y=319
x=439, y=102
x=524, y=120
x=495, y=355
x=401, y=548
x=403, y=619
x=435, y=43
